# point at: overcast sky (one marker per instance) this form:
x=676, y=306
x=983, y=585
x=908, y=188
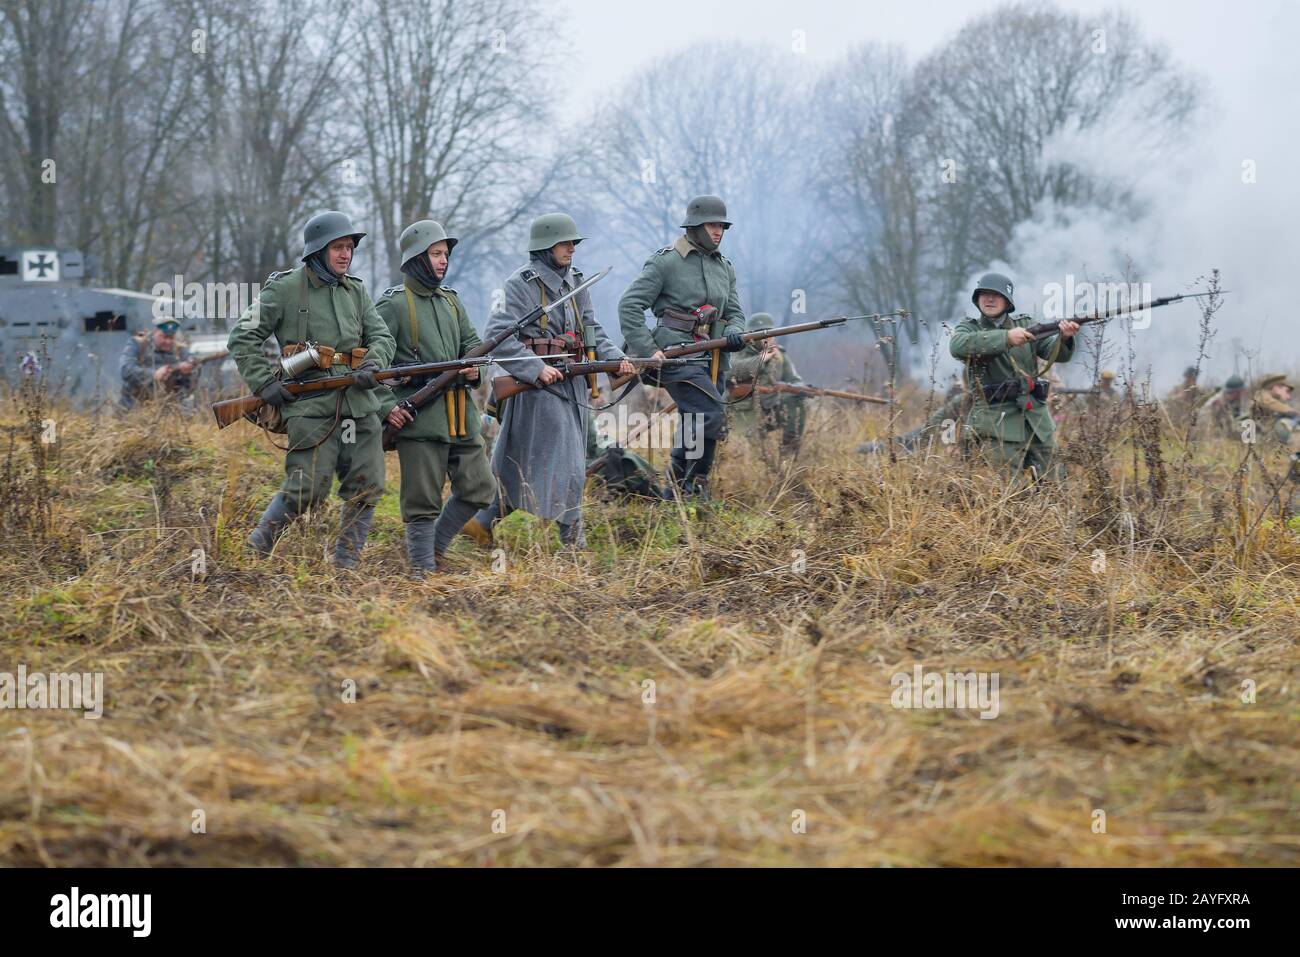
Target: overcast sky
x=1202, y=216
x=611, y=41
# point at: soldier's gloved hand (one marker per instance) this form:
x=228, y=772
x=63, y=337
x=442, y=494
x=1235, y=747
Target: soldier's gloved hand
x=735, y=342
x=275, y=395
x=364, y=375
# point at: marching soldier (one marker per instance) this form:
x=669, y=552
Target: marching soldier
x=334, y=432
x=540, y=454
x=156, y=364
x=691, y=288
x=430, y=324
x=764, y=362
x=1009, y=418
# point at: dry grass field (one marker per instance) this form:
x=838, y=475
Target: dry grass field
x=706, y=686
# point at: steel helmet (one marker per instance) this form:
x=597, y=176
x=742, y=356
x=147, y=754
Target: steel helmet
x=323, y=228
x=761, y=321
x=418, y=237
x=706, y=209
x=550, y=229
x=995, y=282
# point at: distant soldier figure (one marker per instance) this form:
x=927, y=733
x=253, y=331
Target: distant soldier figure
x=154, y=364
x=1009, y=421
x=1107, y=397
x=430, y=324
x=1180, y=402
x=1277, y=418
x=1225, y=407
x=540, y=454
x=333, y=432
x=764, y=362
x=691, y=289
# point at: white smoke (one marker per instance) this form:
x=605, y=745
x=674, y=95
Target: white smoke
x=1196, y=208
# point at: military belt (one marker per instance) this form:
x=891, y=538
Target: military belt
x=1011, y=389
x=684, y=321
x=328, y=356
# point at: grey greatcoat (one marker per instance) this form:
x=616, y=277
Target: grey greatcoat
x=540, y=453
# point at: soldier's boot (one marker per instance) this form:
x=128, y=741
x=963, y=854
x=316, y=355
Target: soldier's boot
x=456, y=516
x=272, y=524
x=482, y=536
x=354, y=528
x=694, y=477
x=420, y=547
x=572, y=535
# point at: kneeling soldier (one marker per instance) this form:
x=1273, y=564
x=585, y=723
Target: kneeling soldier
x=764, y=362
x=337, y=431
x=691, y=287
x=154, y=365
x=1009, y=417
x=430, y=324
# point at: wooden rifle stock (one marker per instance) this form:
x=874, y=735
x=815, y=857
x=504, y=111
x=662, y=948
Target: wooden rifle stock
x=742, y=390
x=504, y=386
x=232, y=410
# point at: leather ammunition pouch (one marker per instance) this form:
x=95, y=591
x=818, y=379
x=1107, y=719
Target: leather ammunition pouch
x=328, y=357
x=695, y=322
x=1011, y=389
x=553, y=346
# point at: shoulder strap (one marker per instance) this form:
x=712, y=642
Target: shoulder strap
x=452, y=300
x=410, y=313
x=541, y=286
x=302, y=307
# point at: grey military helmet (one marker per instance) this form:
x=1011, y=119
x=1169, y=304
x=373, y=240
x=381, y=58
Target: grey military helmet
x=323, y=228
x=550, y=229
x=1234, y=383
x=995, y=282
x=418, y=237
x=706, y=209
x=760, y=321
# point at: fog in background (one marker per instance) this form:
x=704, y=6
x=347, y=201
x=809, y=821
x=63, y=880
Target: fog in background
x=196, y=137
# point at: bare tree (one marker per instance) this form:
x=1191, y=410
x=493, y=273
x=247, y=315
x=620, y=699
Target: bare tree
x=713, y=120
x=276, y=80
x=43, y=46
x=451, y=115
x=973, y=153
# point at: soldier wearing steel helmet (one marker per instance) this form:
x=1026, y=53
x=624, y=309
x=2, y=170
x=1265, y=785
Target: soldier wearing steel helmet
x=691, y=289
x=539, y=457
x=335, y=432
x=1009, y=421
x=1223, y=410
x=764, y=362
x=443, y=440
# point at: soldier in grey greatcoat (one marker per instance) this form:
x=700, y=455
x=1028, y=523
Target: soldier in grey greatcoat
x=539, y=457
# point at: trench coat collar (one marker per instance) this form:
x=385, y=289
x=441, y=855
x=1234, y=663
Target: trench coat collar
x=552, y=278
